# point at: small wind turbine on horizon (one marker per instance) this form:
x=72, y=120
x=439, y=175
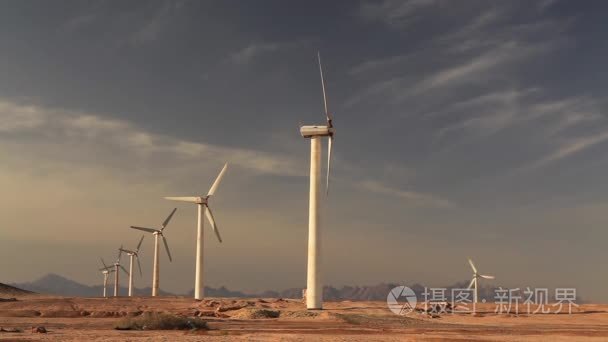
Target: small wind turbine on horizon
x=117, y=268
x=314, y=287
x=202, y=203
x=158, y=232
x=105, y=270
x=133, y=254
x=476, y=276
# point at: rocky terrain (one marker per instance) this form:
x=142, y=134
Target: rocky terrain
x=261, y=319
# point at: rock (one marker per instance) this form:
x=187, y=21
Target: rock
x=222, y=308
x=206, y=313
x=39, y=330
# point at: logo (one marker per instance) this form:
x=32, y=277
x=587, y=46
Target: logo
x=401, y=300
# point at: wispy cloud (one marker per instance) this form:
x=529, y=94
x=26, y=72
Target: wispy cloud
x=502, y=109
x=385, y=62
x=395, y=13
x=250, y=52
x=473, y=69
x=153, y=25
x=410, y=197
x=569, y=148
x=15, y=117
x=96, y=132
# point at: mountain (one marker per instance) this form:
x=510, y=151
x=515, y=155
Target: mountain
x=57, y=285
x=12, y=291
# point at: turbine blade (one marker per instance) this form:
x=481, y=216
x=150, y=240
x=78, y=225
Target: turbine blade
x=124, y=269
x=149, y=230
x=104, y=264
x=119, y=253
x=190, y=199
x=471, y=284
x=329, y=147
x=211, y=219
x=487, y=276
x=472, y=266
x=139, y=266
x=168, y=219
x=167, y=247
x=327, y=115
x=139, y=244
x=217, y=181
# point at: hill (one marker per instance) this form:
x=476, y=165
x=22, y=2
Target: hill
x=54, y=284
x=9, y=291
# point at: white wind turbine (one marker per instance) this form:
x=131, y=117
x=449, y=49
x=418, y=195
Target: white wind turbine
x=476, y=276
x=314, y=288
x=158, y=232
x=202, y=203
x=105, y=270
x=117, y=268
x=133, y=254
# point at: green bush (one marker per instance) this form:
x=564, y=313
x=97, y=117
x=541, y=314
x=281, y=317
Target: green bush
x=160, y=321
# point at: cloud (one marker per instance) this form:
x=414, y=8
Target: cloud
x=15, y=117
x=506, y=108
x=474, y=69
x=248, y=53
x=380, y=63
x=153, y=24
x=394, y=13
x=569, y=148
x=78, y=134
x=411, y=197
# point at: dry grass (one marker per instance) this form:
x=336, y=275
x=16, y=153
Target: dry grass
x=160, y=321
x=249, y=313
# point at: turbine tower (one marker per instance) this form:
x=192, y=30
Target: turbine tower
x=117, y=268
x=314, y=287
x=133, y=254
x=476, y=276
x=158, y=232
x=105, y=270
x=202, y=203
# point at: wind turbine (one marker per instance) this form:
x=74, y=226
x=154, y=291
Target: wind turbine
x=105, y=270
x=314, y=288
x=158, y=232
x=117, y=268
x=133, y=254
x=476, y=276
x=202, y=203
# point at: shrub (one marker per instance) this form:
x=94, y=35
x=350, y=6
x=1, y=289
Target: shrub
x=160, y=321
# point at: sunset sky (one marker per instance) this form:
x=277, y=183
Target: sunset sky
x=464, y=129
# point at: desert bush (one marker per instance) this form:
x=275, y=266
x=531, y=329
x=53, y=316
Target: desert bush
x=160, y=321
x=249, y=313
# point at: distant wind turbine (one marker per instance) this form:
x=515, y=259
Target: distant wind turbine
x=314, y=287
x=133, y=254
x=117, y=268
x=158, y=232
x=105, y=270
x=202, y=203
x=476, y=276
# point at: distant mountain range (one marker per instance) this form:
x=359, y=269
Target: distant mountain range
x=57, y=285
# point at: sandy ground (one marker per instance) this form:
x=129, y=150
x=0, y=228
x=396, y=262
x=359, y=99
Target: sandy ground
x=93, y=319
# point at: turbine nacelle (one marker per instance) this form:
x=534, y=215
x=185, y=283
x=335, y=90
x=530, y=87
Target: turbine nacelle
x=317, y=131
x=129, y=252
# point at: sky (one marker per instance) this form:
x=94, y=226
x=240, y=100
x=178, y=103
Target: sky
x=463, y=129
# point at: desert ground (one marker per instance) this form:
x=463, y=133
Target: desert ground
x=94, y=319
